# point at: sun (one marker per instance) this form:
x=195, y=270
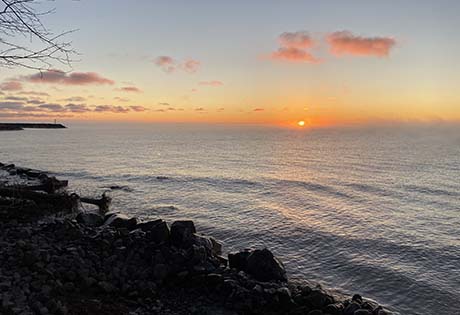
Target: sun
x=301, y=123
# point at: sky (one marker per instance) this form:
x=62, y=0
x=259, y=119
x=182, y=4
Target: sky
x=258, y=62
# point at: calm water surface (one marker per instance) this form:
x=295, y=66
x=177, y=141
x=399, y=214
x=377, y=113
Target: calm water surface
x=374, y=211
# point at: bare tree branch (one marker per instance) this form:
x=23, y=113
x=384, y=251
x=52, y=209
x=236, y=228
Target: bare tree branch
x=26, y=42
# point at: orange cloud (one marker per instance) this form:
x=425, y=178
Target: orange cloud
x=295, y=47
x=345, y=43
x=74, y=78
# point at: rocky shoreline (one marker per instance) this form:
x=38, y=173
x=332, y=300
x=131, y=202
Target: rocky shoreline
x=65, y=261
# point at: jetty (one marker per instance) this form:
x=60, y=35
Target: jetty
x=22, y=126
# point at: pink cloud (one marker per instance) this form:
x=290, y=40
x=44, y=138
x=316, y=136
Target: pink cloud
x=11, y=86
x=212, y=83
x=166, y=63
x=295, y=47
x=191, y=65
x=345, y=43
x=170, y=65
x=130, y=89
x=74, y=78
x=293, y=54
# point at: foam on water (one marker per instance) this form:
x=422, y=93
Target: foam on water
x=374, y=211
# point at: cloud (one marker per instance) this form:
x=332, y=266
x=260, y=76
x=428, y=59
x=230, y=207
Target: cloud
x=75, y=99
x=211, y=83
x=74, y=78
x=300, y=40
x=121, y=99
x=11, y=86
x=199, y=109
x=16, y=98
x=164, y=104
x=170, y=65
x=130, y=89
x=166, y=63
x=258, y=110
x=137, y=108
x=111, y=108
x=191, y=65
x=52, y=107
x=77, y=108
x=294, y=47
x=292, y=54
x=33, y=93
x=345, y=43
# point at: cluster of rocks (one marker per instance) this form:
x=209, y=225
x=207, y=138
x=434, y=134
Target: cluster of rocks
x=93, y=263
x=60, y=265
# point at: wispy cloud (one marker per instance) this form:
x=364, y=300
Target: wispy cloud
x=170, y=65
x=345, y=43
x=211, y=83
x=74, y=78
x=130, y=89
x=258, y=110
x=138, y=108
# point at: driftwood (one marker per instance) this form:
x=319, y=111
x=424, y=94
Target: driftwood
x=103, y=203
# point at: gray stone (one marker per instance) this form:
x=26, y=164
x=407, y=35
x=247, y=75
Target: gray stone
x=121, y=221
x=90, y=219
x=263, y=266
x=182, y=233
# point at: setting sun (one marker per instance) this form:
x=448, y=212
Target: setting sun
x=301, y=123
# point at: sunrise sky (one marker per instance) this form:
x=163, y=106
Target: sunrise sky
x=265, y=62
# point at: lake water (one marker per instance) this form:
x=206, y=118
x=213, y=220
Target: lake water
x=373, y=211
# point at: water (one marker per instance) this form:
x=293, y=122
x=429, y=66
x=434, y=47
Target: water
x=374, y=211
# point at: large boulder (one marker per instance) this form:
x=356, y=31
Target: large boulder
x=90, y=219
x=157, y=231
x=182, y=233
x=264, y=266
x=121, y=221
x=260, y=263
x=238, y=260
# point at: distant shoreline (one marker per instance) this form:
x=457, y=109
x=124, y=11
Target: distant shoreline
x=22, y=126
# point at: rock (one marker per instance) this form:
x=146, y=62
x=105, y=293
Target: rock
x=216, y=246
x=160, y=271
x=315, y=312
x=334, y=309
x=182, y=233
x=157, y=231
x=318, y=298
x=351, y=308
x=263, y=266
x=238, y=260
x=90, y=219
x=121, y=221
x=362, y=311
x=106, y=286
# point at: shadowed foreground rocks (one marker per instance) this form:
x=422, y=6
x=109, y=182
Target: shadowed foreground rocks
x=87, y=263
x=92, y=265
